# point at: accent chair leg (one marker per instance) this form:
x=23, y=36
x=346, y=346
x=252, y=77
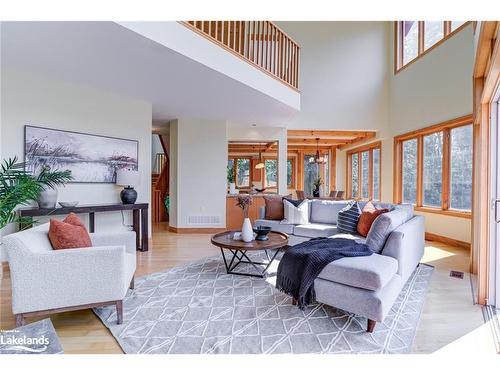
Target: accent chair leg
x=371, y=325
x=132, y=283
x=19, y=320
x=119, y=312
x=294, y=301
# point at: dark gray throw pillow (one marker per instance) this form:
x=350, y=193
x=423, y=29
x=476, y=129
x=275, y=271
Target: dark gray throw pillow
x=347, y=221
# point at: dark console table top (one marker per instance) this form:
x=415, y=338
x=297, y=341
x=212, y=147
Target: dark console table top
x=83, y=208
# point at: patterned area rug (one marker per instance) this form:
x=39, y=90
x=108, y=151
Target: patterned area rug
x=35, y=338
x=198, y=308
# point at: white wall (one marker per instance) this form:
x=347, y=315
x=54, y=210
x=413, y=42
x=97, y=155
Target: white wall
x=237, y=132
x=343, y=74
x=29, y=98
x=198, y=159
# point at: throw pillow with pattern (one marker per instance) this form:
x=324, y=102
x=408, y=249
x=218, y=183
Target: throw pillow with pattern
x=348, y=217
x=295, y=212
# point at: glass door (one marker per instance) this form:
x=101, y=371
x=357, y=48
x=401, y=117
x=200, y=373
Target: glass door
x=494, y=270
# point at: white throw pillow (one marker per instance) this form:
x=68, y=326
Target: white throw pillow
x=295, y=214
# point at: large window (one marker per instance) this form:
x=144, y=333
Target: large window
x=415, y=38
x=433, y=168
x=363, y=172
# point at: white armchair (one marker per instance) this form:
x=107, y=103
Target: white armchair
x=46, y=281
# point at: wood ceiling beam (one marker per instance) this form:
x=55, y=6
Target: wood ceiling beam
x=269, y=146
x=329, y=133
x=312, y=141
x=357, y=141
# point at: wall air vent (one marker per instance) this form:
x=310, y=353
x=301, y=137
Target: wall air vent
x=204, y=220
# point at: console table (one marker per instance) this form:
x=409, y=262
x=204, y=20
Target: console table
x=139, y=214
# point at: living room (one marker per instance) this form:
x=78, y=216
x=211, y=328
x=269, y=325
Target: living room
x=174, y=184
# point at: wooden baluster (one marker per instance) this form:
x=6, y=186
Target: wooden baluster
x=268, y=46
x=282, y=49
x=257, y=40
x=247, y=47
x=235, y=47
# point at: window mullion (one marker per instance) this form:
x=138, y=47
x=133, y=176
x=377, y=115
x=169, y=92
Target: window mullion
x=446, y=170
x=420, y=170
x=360, y=176
x=370, y=174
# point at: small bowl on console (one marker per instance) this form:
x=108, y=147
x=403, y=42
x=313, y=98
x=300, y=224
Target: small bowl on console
x=68, y=204
x=262, y=232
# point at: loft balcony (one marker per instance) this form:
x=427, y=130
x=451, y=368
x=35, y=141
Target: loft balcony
x=260, y=43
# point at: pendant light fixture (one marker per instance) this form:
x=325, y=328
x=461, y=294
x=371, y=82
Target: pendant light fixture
x=318, y=159
x=260, y=164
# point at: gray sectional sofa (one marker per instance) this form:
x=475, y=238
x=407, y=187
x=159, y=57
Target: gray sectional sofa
x=366, y=286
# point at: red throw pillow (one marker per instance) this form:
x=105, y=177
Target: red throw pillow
x=69, y=233
x=367, y=217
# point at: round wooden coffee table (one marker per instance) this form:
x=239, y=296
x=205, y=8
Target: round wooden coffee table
x=239, y=249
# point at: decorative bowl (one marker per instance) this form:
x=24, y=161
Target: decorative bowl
x=262, y=232
x=260, y=190
x=68, y=204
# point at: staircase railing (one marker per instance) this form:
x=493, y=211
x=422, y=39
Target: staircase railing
x=260, y=43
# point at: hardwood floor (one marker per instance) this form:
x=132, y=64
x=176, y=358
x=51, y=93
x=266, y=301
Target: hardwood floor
x=449, y=312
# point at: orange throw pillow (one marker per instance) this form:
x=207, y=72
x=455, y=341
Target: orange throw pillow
x=69, y=233
x=367, y=217
x=73, y=220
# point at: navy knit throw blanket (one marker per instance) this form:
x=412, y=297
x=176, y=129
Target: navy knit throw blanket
x=302, y=263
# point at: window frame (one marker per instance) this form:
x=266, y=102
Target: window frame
x=359, y=150
x=398, y=42
x=446, y=128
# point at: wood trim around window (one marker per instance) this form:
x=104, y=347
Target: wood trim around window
x=358, y=150
x=398, y=42
x=419, y=135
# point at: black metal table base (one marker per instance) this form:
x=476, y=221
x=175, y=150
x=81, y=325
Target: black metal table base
x=240, y=257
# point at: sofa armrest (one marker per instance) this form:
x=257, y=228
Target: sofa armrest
x=406, y=244
x=72, y=277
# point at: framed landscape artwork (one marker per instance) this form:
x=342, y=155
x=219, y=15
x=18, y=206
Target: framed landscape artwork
x=90, y=158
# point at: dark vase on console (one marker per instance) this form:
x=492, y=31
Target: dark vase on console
x=316, y=193
x=128, y=195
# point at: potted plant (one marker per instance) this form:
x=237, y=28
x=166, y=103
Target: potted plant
x=230, y=180
x=20, y=187
x=244, y=201
x=317, y=184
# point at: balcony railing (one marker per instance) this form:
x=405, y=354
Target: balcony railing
x=261, y=43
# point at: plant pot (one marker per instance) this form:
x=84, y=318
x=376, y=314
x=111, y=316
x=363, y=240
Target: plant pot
x=47, y=198
x=247, y=230
x=232, y=188
x=316, y=193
